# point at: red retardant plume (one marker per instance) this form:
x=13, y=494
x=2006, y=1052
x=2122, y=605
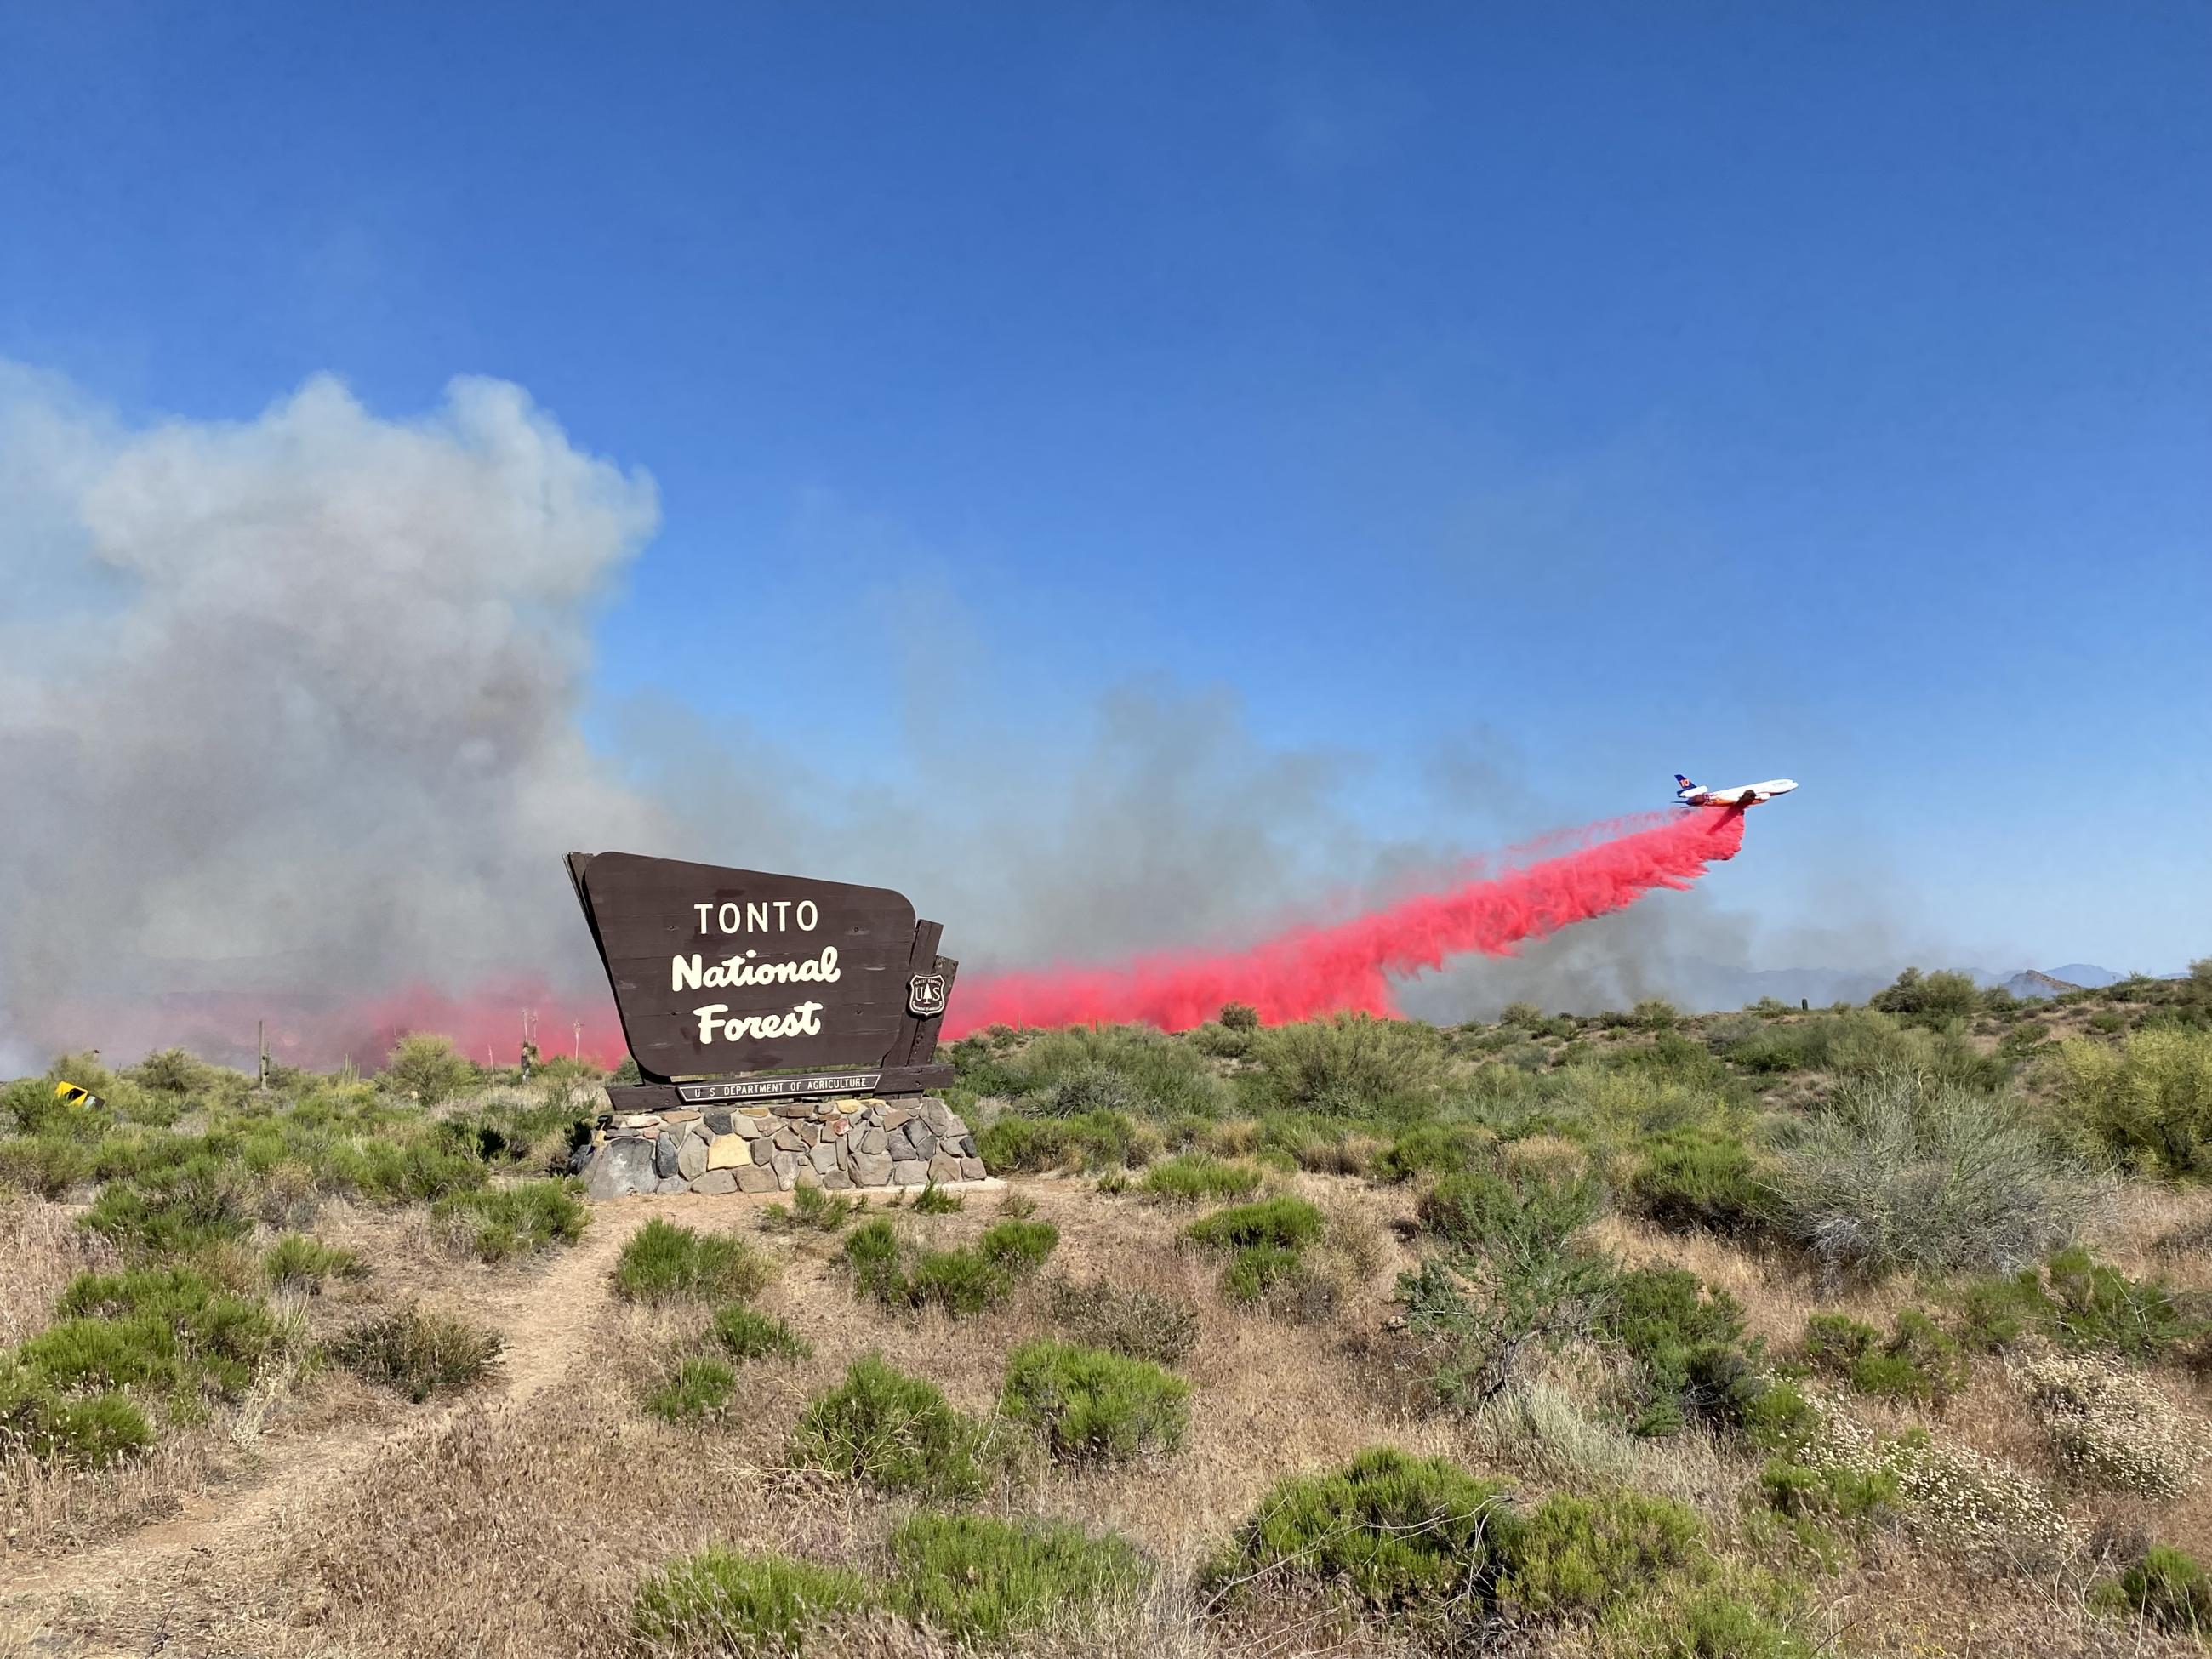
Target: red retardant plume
x=1348, y=967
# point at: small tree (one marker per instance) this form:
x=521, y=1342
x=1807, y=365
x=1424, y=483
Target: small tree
x=426, y=1065
x=1930, y=998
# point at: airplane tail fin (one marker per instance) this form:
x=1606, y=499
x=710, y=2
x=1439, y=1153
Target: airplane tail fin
x=1682, y=783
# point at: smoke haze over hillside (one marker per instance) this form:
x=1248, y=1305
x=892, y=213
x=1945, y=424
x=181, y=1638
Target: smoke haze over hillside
x=289, y=724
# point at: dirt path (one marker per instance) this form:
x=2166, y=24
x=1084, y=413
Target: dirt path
x=85, y=1602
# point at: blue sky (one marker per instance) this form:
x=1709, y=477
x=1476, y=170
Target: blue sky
x=1595, y=391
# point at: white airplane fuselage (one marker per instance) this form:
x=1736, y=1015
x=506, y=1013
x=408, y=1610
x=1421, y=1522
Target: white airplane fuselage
x=1742, y=795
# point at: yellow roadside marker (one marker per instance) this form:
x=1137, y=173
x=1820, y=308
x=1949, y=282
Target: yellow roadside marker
x=69, y=1095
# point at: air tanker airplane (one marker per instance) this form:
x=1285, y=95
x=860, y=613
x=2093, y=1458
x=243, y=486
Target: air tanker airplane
x=1742, y=795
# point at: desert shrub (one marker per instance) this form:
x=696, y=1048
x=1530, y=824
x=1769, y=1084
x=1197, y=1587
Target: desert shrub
x=661, y=1263
x=1510, y=1276
x=426, y=1067
x=175, y=1210
x=961, y=1281
x=1832, y=1495
x=1018, y=1246
x=520, y=1220
x=745, y=1333
x=1930, y=998
x=172, y=1328
x=297, y=1262
x=934, y=1200
x=1400, y=1533
x=1090, y=1404
x=1256, y=1272
x=1239, y=1017
x=1687, y=1341
x=1690, y=1617
x=1219, y=1041
x=2148, y=1100
x=1952, y=1495
x=697, y=1388
x=1995, y=1313
x=985, y=1581
x=1284, y=1221
x=1572, y=1556
x=891, y=1430
x=1128, y=1319
x=1352, y=1065
x=726, y=1600
x=85, y=1432
x=1198, y=1178
x=1434, y=1148
x=817, y=1208
x=2168, y=1588
x=419, y=1354
x=1701, y=1178
x=1116, y=1069
x=2095, y=1305
x=1904, y=1171
x=2111, y=1428
x=174, y=1072
x=958, y=1281
x=1918, y=1362
x=1095, y=1140
x=49, y=1164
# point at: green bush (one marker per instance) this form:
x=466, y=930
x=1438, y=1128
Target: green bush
x=2147, y=1100
x=2094, y=1305
x=815, y=1208
x=172, y=1329
x=891, y=1430
x=1258, y=1271
x=1433, y=1148
x=934, y=1200
x=961, y=1281
x=1573, y=1556
x=1094, y=1141
x=1015, y=1246
x=1090, y=1404
x=1995, y=1312
x=418, y=1354
x=1830, y=1494
x=661, y=1263
x=1701, y=1178
x=87, y=1433
x=1128, y=1319
x=1352, y=1065
x=1084, y=1072
x=425, y=1067
x=1687, y=1339
x=50, y=1164
x=1904, y=1171
x=725, y=1600
x=2168, y=1588
x=747, y=1333
x=1401, y=1534
x=173, y=1211
x=698, y=1388
x=1283, y=1221
x=985, y=1581
x=1919, y=1361
x=1199, y=1178
x=296, y=1262
x=520, y=1220
x=1931, y=1000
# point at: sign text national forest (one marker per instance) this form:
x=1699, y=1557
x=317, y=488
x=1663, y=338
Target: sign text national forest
x=719, y=973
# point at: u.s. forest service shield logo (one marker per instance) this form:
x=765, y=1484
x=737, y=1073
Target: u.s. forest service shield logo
x=925, y=995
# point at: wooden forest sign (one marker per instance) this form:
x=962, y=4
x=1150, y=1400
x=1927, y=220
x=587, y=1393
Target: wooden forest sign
x=722, y=974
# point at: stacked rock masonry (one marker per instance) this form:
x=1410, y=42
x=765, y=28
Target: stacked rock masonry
x=839, y=1144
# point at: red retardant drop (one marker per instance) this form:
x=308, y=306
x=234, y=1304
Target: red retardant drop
x=1349, y=966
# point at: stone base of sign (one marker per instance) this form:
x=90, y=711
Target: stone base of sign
x=842, y=1144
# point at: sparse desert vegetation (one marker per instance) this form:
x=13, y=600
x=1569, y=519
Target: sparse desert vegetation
x=1882, y=1330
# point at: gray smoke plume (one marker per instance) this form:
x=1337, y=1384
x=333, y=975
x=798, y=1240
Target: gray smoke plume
x=294, y=705
x=288, y=720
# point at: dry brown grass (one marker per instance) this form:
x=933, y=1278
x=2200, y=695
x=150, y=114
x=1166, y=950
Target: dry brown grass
x=519, y=1525
x=42, y=1250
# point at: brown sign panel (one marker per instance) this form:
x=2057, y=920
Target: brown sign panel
x=719, y=971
